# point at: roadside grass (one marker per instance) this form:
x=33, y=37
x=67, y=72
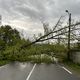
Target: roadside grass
x=73, y=66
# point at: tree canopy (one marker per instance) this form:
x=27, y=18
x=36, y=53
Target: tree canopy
x=8, y=36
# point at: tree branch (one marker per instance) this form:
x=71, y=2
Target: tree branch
x=38, y=40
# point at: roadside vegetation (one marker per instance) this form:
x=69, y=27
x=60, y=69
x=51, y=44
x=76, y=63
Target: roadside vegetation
x=11, y=48
x=74, y=67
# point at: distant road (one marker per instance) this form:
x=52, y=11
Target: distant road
x=27, y=71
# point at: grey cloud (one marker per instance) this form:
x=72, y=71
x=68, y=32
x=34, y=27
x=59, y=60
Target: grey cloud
x=36, y=10
x=72, y=5
x=40, y=8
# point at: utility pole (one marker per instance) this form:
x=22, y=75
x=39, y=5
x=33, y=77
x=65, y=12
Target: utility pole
x=68, y=54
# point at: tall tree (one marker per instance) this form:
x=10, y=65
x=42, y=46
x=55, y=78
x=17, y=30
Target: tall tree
x=8, y=36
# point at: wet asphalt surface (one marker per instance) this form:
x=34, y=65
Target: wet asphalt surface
x=15, y=71
x=20, y=71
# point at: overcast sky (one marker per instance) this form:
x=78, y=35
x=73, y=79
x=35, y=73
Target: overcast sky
x=28, y=14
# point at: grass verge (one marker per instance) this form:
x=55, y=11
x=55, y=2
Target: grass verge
x=74, y=67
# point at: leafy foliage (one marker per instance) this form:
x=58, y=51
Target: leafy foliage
x=11, y=48
x=8, y=36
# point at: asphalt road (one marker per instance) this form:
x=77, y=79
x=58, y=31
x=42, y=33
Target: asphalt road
x=15, y=71
x=27, y=71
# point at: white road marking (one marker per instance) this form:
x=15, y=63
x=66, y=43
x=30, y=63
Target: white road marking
x=67, y=70
x=31, y=72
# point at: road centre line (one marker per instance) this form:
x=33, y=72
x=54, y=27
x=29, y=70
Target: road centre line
x=31, y=72
x=67, y=70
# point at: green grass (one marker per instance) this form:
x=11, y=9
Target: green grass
x=73, y=66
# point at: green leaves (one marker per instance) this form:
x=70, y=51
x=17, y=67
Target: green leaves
x=12, y=47
x=8, y=35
